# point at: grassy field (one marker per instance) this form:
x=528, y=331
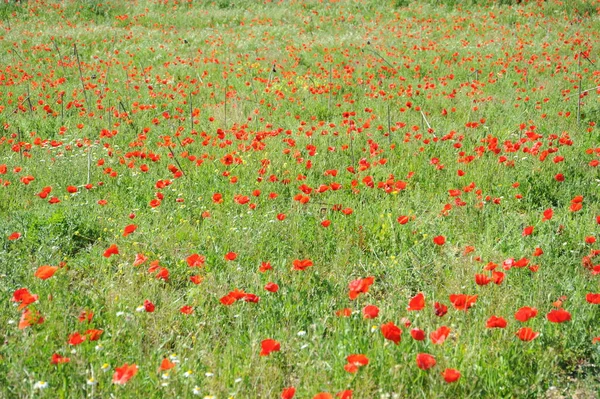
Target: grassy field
x=243, y=199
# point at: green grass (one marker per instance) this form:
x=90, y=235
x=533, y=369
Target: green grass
x=290, y=91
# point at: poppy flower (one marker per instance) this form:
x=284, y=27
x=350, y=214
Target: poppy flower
x=124, y=373
x=85, y=315
x=346, y=312
x=112, y=250
x=482, y=279
x=440, y=309
x=45, y=272
x=230, y=256
x=391, y=332
x=71, y=189
x=527, y=231
x=525, y=313
x=129, y=229
x=166, y=364
x=227, y=300
x=417, y=334
x=593, y=298
x=558, y=316
x=346, y=394
x=139, y=259
x=439, y=336
x=149, y=306
x=439, y=240
x=268, y=346
x=14, y=236
x=425, y=361
x=187, y=309
x=417, y=302
x=58, y=359
x=288, y=393
x=527, y=334
x=359, y=286
x=30, y=318
x=76, y=339
x=93, y=334
x=402, y=219
x=355, y=362
x=323, y=395
x=496, y=322
x=451, y=375
x=301, y=264
x=23, y=297
x=195, y=260
x=547, y=214
x=370, y=312
x=264, y=266
x=272, y=287
x=462, y=301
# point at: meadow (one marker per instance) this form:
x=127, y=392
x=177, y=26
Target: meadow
x=299, y=199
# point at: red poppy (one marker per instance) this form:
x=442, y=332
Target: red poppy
x=425, y=361
x=440, y=309
x=355, y=362
x=30, y=318
x=451, y=375
x=93, y=334
x=149, y=306
x=392, y=332
x=593, y=298
x=45, y=272
x=439, y=240
x=268, y=346
x=23, y=297
x=323, y=395
x=558, y=316
x=417, y=334
x=139, y=259
x=439, y=336
x=272, y=287
x=346, y=312
x=347, y=394
x=76, y=339
x=527, y=231
x=482, y=279
x=359, y=286
x=112, y=250
x=14, y=236
x=264, y=267
x=462, y=301
x=302, y=264
x=129, y=229
x=227, y=300
x=166, y=364
x=71, y=189
x=402, y=219
x=417, y=302
x=525, y=313
x=288, y=393
x=58, y=359
x=527, y=334
x=496, y=322
x=230, y=256
x=370, y=312
x=195, y=260
x=187, y=309
x=124, y=373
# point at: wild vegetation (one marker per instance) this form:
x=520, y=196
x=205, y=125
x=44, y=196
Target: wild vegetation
x=309, y=199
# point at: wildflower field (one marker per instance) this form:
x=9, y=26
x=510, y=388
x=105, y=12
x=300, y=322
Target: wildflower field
x=299, y=199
